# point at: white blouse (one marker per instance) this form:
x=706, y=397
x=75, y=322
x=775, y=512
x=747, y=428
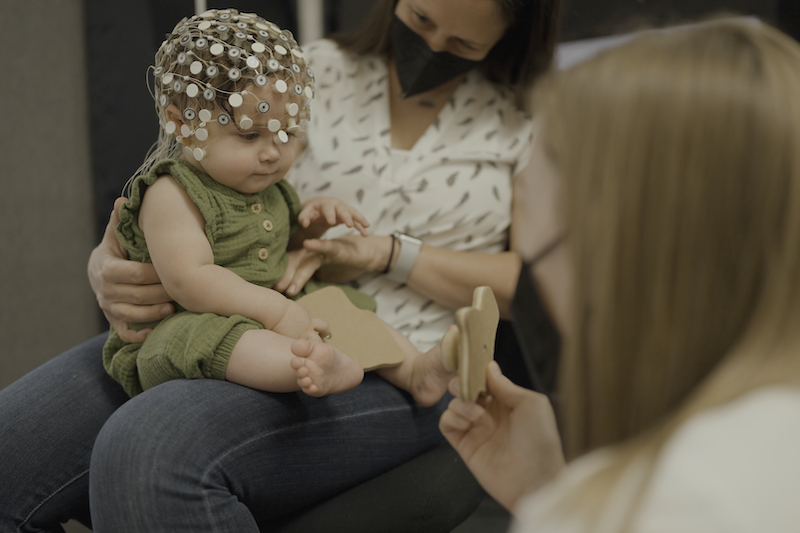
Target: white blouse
x=729, y=470
x=452, y=189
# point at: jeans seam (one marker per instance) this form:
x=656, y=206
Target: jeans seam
x=275, y=432
x=49, y=496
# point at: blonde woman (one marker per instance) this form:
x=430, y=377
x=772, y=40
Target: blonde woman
x=677, y=162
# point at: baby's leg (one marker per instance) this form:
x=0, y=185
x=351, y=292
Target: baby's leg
x=421, y=374
x=321, y=369
x=263, y=359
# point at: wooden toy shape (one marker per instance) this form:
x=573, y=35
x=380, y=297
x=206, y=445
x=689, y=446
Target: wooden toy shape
x=356, y=332
x=470, y=349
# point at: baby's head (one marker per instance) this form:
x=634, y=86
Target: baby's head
x=223, y=69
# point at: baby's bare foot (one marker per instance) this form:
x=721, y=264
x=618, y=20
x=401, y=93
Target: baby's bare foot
x=322, y=369
x=430, y=378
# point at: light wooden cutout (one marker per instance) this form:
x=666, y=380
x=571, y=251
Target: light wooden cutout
x=469, y=350
x=356, y=332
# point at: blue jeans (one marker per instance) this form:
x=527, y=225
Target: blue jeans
x=188, y=455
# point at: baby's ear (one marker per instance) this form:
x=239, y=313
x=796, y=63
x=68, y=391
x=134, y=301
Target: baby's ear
x=174, y=115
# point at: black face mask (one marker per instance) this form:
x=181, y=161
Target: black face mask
x=539, y=339
x=419, y=68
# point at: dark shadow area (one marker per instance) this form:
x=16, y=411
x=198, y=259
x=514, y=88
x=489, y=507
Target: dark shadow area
x=583, y=19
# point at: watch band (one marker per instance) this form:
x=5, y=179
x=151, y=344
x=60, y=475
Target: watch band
x=406, y=257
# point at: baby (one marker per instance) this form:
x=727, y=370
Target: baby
x=211, y=209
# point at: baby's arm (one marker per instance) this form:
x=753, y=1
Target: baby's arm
x=175, y=232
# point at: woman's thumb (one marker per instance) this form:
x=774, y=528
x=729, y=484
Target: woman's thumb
x=503, y=389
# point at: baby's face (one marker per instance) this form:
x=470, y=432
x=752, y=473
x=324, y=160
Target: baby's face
x=251, y=157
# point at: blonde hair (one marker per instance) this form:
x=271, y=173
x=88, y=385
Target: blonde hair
x=680, y=155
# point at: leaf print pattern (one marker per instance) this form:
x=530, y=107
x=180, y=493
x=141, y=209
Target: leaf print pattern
x=478, y=168
x=352, y=170
x=400, y=192
x=482, y=218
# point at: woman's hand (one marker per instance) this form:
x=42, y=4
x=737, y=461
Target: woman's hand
x=348, y=257
x=508, y=440
x=301, y=267
x=335, y=261
x=128, y=292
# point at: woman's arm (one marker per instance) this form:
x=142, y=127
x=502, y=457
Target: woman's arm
x=449, y=277
x=184, y=261
x=445, y=276
x=536, y=223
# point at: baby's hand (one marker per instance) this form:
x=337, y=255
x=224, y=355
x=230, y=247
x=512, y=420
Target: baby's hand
x=326, y=212
x=298, y=324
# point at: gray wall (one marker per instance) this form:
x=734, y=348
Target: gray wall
x=46, y=305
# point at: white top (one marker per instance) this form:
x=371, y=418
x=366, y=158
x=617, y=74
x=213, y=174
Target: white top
x=453, y=190
x=733, y=469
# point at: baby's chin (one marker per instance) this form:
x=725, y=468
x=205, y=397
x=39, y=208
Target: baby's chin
x=256, y=183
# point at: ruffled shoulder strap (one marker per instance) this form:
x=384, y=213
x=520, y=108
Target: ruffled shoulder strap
x=204, y=192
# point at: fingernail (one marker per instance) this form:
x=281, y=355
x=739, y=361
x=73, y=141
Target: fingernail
x=166, y=310
x=473, y=412
x=291, y=288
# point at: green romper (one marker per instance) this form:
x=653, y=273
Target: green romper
x=249, y=235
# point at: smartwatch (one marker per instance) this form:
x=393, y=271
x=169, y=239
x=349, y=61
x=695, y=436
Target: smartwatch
x=409, y=250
